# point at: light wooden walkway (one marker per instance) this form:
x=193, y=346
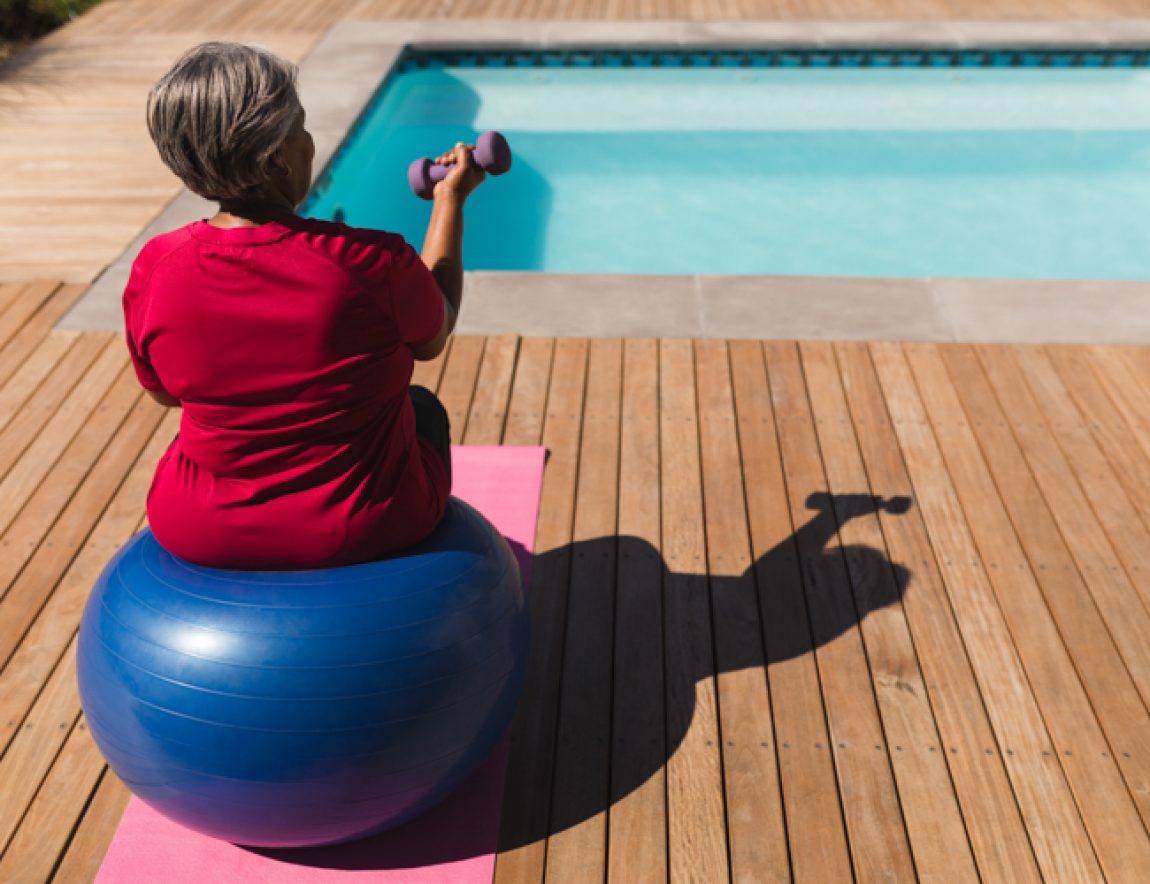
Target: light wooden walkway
x=801, y=610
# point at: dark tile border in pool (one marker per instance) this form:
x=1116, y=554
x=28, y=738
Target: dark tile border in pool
x=345, y=69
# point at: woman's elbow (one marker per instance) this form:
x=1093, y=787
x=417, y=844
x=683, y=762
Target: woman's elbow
x=429, y=349
x=165, y=399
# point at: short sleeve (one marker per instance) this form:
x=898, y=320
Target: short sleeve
x=416, y=298
x=134, y=311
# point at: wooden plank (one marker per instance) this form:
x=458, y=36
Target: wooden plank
x=32, y=396
x=22, y=426
x=755, y=820
x=55, y=626
x=1123, y=375
x=527, y=796
x=993, y=823
x=111, y=17
x=1113, y=696
x=32, y=334
x=637, y=831
x=85, y=852
x=48, y=823
x=934, y=825
x=697, y=842
x=54, y=436
x=37, y=460
x=8, y=293
x=929, y=428
x=27, y=531
x=1129, y=459
x=33, y=751
x=1039, y=490
x=32, y=373
x=1119, y=516
x=1109, y=499
x=492, y=391
x=67, y=504
x=524, y=424
x=577, y=848
x=816, y=832
x=879, y=848
x=457, y=386
x=23, y=306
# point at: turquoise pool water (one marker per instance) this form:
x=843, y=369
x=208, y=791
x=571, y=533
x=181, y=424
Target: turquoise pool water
x=746, y=166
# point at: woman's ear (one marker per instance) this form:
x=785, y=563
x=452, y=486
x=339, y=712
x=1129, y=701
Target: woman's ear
x=278, y=165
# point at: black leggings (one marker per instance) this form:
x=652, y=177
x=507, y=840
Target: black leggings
x=431, y=422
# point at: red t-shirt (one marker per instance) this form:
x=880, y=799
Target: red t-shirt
x=286, y=345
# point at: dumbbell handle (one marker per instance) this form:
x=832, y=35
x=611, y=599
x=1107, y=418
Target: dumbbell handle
x=492, y=154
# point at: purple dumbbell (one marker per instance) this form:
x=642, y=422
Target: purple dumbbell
x=491, y=154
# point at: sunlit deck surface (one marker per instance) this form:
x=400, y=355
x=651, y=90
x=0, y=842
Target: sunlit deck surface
x=807, y=610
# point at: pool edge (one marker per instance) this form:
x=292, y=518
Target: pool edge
x=351, y=60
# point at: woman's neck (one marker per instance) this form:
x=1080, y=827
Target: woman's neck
x=250, y=213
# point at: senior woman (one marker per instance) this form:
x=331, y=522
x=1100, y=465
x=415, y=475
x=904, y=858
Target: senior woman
x=288, y=342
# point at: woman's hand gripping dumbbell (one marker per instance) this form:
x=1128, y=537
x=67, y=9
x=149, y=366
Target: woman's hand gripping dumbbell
x=492, y=154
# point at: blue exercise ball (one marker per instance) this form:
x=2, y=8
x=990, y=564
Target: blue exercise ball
x=300, y=708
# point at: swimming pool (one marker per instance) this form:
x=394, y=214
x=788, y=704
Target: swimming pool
x=1004, y=164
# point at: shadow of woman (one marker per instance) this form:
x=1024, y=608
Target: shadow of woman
x=797, y=597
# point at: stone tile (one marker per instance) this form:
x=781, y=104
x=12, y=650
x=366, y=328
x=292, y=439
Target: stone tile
x=575, y=305
x=351, y=32
x=100, y=307
x=898, y=32
x=622, y=33
x=1036, y=311
x=335, y=63
x=448, y=33
x=751, y=33
x=1122, y=32
x=821, y=308
x=1025, y=33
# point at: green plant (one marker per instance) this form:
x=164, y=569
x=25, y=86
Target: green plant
x=22, y=19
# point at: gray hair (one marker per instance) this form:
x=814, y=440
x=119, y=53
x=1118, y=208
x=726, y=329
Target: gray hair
x=219, y=115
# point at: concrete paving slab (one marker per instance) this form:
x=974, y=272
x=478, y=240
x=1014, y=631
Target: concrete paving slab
x=578, y=305
x=1036, y=311
x=767, y=34
x=1123, y=32
x=894, y=33
x=1070, y=32
x=347, y=81
x=352, y=31
x=614, y=34
x=820, y=308
x=499, y=33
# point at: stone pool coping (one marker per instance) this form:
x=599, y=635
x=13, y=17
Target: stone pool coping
x=342, y=73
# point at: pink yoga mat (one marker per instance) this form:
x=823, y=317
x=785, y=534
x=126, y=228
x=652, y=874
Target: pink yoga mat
x=454, y=842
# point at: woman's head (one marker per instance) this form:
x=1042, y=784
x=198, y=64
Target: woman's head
x=228, y=121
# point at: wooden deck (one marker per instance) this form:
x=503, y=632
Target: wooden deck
x=802, y=610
